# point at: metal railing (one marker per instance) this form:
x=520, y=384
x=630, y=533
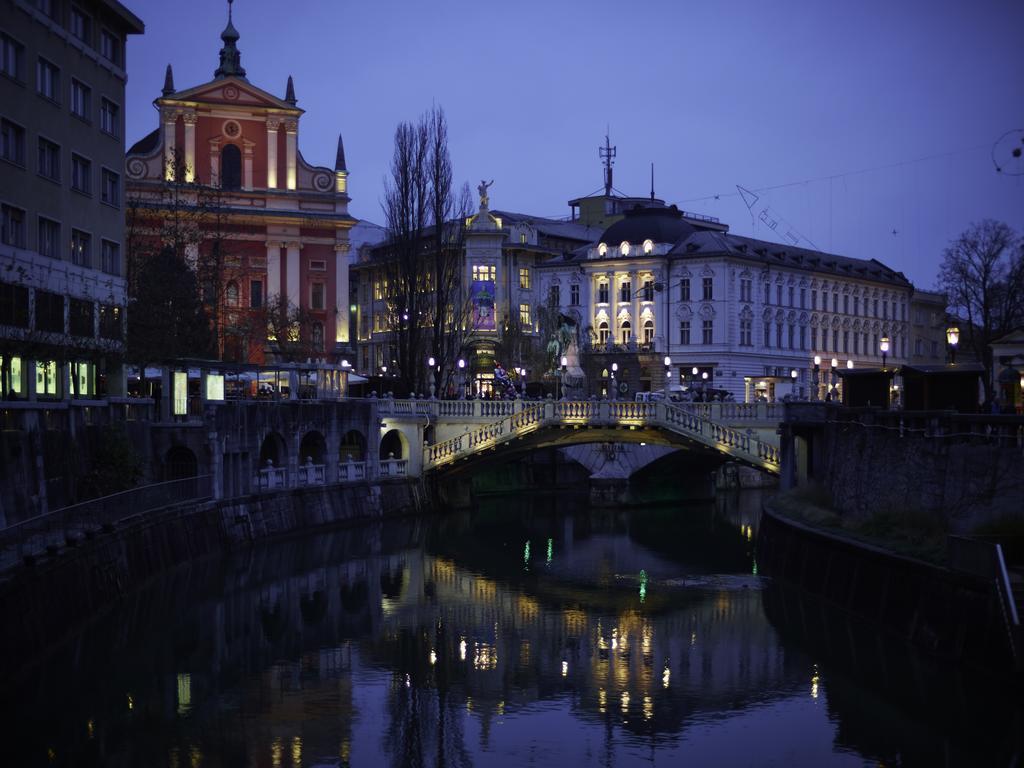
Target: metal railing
x=67, y=526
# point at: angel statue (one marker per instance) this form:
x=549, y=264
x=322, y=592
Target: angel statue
x=482, y=190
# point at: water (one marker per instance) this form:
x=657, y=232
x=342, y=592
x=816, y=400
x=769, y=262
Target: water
x=526, y=632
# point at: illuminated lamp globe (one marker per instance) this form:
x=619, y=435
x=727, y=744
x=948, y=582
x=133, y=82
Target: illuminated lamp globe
x=952, y=336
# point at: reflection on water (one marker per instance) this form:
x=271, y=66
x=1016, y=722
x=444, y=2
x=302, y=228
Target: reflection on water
x=542, y=633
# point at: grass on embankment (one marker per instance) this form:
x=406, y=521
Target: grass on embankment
x=911, y=533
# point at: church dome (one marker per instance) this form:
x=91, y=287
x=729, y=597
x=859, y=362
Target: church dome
x=659, y=225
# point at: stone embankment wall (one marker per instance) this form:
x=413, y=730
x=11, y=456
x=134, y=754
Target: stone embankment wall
x=42, y=604
x=945, y=613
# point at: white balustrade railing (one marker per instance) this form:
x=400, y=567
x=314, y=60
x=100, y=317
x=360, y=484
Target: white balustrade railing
x=394, y=467
x=351, y=471
x=271, y=479
x=311, y=474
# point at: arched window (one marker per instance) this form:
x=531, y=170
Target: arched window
x=230, y=167
x=318, y=337
x=231, y=294
x=602, y=332
x=604, y=373
x=626, y=331
x=648, y=331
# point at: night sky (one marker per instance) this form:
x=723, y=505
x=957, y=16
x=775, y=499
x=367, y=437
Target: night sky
x=875, y=122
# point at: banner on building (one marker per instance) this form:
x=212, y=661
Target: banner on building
x=482, y=294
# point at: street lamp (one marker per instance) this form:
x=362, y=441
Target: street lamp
x=883, y=345
x=431, y=362
x=615, y=391
x=952, y=339
x=792, y=376
x=817, y=376
x=565, y=365
x=832, y=374
x=668, y=375
x=849, y=365
x=462, y=379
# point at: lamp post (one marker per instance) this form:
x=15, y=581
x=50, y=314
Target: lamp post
x=817, y=376
x=668, y=375
x=565, y=366
x=792, y=378
x=615, y=389
x=832, y=375
x=883, y=345
x=952, y=339
x=462, y=379
x=431, y=362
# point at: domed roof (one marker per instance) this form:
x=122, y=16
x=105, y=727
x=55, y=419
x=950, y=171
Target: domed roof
x=660, y=225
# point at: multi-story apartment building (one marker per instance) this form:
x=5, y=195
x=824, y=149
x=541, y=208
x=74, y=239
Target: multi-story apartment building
x=281, y=225
x=62, y=269
x=928, y=323
x=730, y=313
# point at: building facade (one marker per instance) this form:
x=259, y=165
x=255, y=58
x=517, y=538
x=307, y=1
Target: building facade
x=732, y=314
x=282, y=224
x=62, y=268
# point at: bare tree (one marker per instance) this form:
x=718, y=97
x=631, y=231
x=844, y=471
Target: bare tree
x=982, y=273
x=290, y=329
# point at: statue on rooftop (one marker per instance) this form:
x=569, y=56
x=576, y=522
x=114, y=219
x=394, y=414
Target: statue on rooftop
x=482, y=190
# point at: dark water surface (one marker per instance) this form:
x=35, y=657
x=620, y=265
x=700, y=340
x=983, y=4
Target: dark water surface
x=530, y=631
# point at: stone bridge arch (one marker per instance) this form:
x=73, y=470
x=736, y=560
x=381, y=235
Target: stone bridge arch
x=352, y=445
x=180, y=463
x=313, y=446
x=274, y=449
x=394, y=445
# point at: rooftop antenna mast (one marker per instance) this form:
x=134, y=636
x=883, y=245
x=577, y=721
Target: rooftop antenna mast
x=607, y=154
x=652, y=181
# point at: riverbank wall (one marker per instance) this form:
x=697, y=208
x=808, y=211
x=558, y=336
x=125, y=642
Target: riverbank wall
x=45, y=602
x=951, y=615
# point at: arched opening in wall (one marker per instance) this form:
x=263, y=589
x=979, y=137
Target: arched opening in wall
x=230, y=167
x=392, y=445
x=353, y=445
x=428, y=435
x=648, y=331
x=317, y=337
x=180, y=463
x=273, y=450
x=625, y=331
x=313, y=446
x=602, y=332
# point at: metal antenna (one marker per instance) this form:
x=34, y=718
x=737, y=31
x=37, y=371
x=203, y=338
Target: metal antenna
x=652, y=181
x=607, y=154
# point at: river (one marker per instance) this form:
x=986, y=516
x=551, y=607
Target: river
x=531, y=630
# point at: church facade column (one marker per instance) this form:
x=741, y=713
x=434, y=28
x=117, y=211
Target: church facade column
x=291, y=128
x=248, y=151
x=170, y=122
x=636, y=331
x=273, y=270
x=273, y=124
x=190, y=119
x=341, y=297
x=292, y=273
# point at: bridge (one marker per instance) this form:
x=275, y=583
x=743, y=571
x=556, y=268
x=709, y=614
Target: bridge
x=455, y=431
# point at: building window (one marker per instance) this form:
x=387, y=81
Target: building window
x=835, y=341
x=919, y=347
x=746, y=289
x=230, y=167
x=110, y=192
x=707, y=332
x=602, y=332
x=14, y=305
x=835, y=302
x=81, y=248
x=602, y=293
x=846, y=341
x=110, y=47
x=625, y=331
x=317, y=337
x=874, y=305
x=81, y=99
x=791, y=336
x=803, y=298
x=767, y=294
x=110, y=322
x=524, y=278
x=46, y=6
x=625, y=291
x=47, y=79
x=49, y=312
x=648, y=331
x=231, y=294
x=778, y=335
x=746, y=333
x=648, y=246
x=824, y=340
x=12, y=230
x=255, y=294
x=647, y=291
x=316, y=298
x=110, y=257
x=574, y=294
x=483, y=272
x=80, y=318
x=708, y=289
x=791, y=295
x=856, y=305
x=48, y=238
x=684, y=289
x=12, y=142
x=684, y=331
x=778, y=295
x=109, y=121
x=49, y=159
x=81, y=174
x=555, y=295
x=12, y=57
x=80, y=24
x=814, y=339
x=767, y=335
x=524, y=315
x=803, y=337
x=846, y=304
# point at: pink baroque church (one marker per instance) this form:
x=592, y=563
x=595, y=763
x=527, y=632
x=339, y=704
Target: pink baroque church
x=280, y=225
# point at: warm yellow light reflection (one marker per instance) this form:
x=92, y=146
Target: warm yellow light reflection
x=648, y=708
x=131, y=702
x=276, y=753
x=433, y=657
x=625, y=702
x=565, y=668
x=184, y=693
x=90, y=729
x=462, y=649
x=666, y=676
x=296, y=752
x=602, y=700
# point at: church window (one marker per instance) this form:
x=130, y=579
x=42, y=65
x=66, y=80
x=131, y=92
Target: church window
x=231, y=167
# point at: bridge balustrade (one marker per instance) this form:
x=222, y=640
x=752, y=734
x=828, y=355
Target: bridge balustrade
x=271, y=479
x=394, y=467
x=311, y=474
x=351, y=471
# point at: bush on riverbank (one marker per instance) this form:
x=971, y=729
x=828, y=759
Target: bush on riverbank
x=910, y=532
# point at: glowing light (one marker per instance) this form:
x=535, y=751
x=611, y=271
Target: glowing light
x=666, y=676
x=648, y=708
x=643, y=585
x=754, y=569
x=408, y=680
x=625, y=702
x=90, y=728
x=602, y=701
x=276, y=753
x=602, y=249
x=624, y=248
x=849, y=364
x=693, y=638
x=462, y=649
x=814, y=687
x=565, y=668
x=551, y=549
x=526, y=555
x=184, y=693
x=648, y=246
x=131, y=702
x=433, y=657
